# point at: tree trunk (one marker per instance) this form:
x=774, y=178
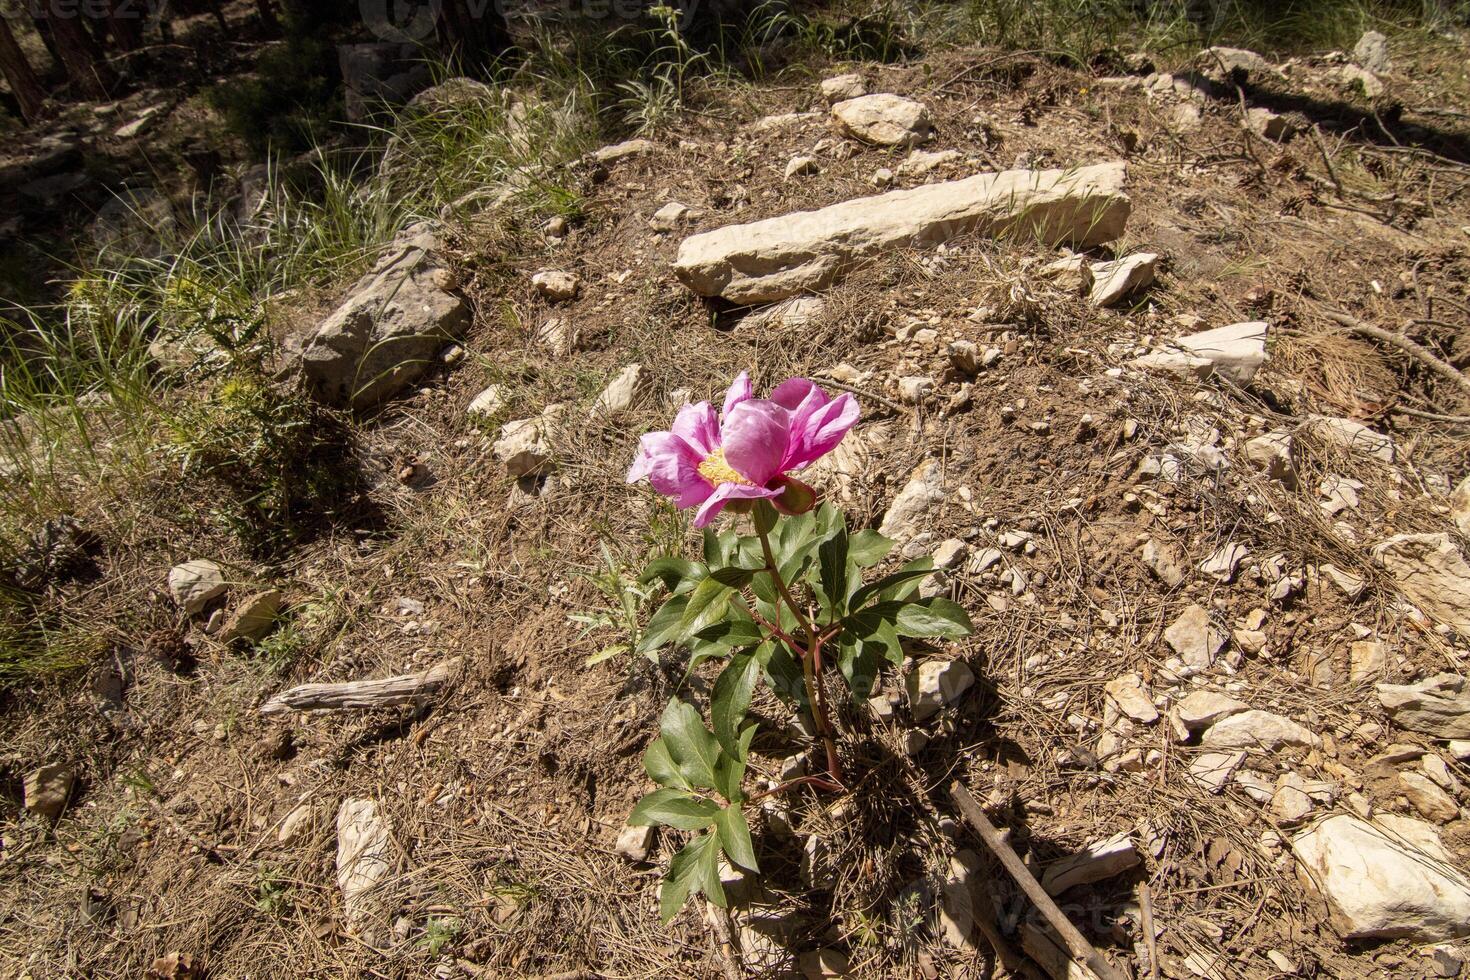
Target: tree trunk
x=268, y=20
x=17, y=71
x=471, y=42
x=125, y=24
x=85, y=66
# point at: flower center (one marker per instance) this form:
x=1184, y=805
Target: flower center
x=717, y=471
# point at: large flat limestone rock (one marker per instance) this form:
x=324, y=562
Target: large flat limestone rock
x=769, y=260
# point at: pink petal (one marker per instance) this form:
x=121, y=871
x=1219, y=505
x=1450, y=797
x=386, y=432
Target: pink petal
x=740, y=390
x=725, y=493
x=672, y=466
x=698, y=425
x=816, y=433
x=755, y=436
x=793, y=391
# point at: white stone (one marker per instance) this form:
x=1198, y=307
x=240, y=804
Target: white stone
x=1460, y=506
x=1430, y=571
x=1212, y=770
x=1221, y=564
x=252, y=618
x=1349, y=584
x=364, y=859
x=524, y=445
x=956, y=906
x=1381, y=888
x=884, y=119
x=802, y=166
x=556, y=285
x=1163, y=560
x=487, y=402
x=1102, y=859
x=936, y=684
x=48, y=788
x=1235, y=352
x=558, y=335
x=1438, y=706
x=1371, y=52
x=844, y=87
x=923, y=493
x=1417, y=833
x=1353, y=436
x=296, y=825
x=633, y=844
x=1198, y=710
x=196, y=583
x=1260, y=730
x=1354, y=77
x=1292, y=802
x=622, y=392
x=1114, y=281
x=1430, y=800
x=808, y=251
x=618, y=151
x=920, y=162
x=950, y=554
x=1128, y=694
x=670, y=217
x=1367, y=660
x=1196, y=637
x=1271, y=125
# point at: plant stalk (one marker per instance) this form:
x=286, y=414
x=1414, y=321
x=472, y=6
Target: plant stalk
x=810, y=658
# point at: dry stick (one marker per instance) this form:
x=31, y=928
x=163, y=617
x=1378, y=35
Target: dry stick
x=724, y=946
x=1146, y=906
x=1419, y=353
x=1083, y=951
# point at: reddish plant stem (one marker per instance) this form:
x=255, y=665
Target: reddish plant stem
x=810, y=659
x=817, y=781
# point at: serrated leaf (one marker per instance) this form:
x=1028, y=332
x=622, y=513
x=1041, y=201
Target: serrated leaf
x=691, y=746
x=867, y=548
x=661, y=767
x=734, y=834
x=933, y=617
x=706, y=605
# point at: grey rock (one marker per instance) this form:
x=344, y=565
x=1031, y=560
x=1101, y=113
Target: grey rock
x=1259, y=730
x=1371, y=52
x=386, y=333
x=196, y=583
x=1196, y=637
x=936, y=684
x=884, y=119
x=48, y=789
x=1432, y=573
x=253, y=618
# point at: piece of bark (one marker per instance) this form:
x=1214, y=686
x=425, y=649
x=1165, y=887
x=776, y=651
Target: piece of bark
x=362, y=695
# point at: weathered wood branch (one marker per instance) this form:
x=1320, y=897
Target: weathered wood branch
x=362, y=695
x=1403, y=343
x=1077, y=945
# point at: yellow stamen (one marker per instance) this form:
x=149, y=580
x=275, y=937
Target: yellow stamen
x=717, y=471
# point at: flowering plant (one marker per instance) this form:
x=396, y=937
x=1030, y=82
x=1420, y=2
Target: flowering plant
x=781, y=606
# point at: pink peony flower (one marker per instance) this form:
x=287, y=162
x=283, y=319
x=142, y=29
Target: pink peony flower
x=745, y=452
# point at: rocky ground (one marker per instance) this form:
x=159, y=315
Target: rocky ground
x=1161, y=368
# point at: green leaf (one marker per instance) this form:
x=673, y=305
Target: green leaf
x=730, y=772
x=660, y=765
x=606, y=653
x=709, y=873
x=665, y=627
x=916, y=569
x=678, y=575
x=933, y=617
x=867, y=548
x=734, y=576
x=691, y=746
x=734, y=836
x=764, y=516
x=832, y=561
x=730, y=700
x=706, y=605
x=674, y=808
x=858, y=662
x=783, y=673
x=686, y=874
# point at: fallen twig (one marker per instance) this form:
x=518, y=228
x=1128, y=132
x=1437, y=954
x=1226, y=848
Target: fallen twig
x=1398, y=340
x=723, y=945
x=1146, y=906
x=1081, y=950
x=383, y=693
